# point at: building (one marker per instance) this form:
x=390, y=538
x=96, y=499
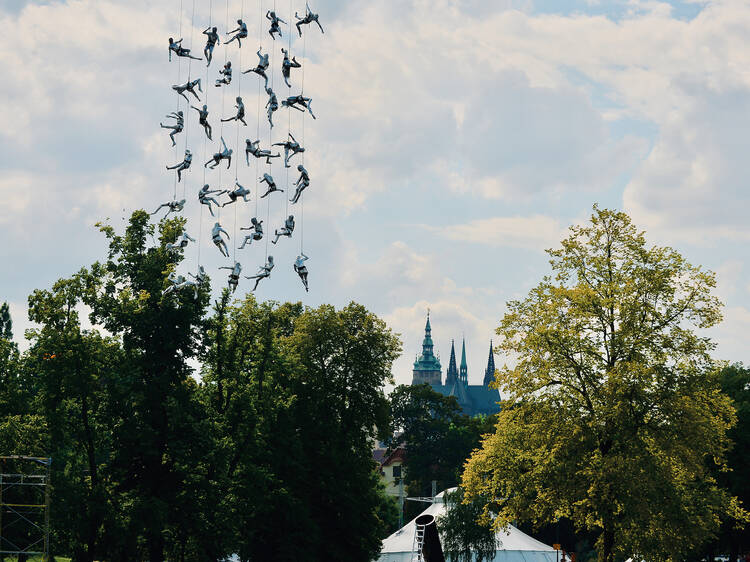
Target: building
x=474, y=399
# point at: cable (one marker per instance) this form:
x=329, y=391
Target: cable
x=205, y=137
x=187, y=105
x=302, y=195
x=179, y=75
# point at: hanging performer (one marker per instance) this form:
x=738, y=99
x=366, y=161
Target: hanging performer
x=302, y=182
x=216, y=233
x=275, y=21
x=204, y=197
x=291, y=145
x=173, y=206
x=271, y=185
x=202, y=278
x=263, y=65
x=234, y=194
x=263, y=272
x=301, y=269
x=179, y=50
x=177, y=127
x=272, y=104
x=227, y=73
x=308, y=19
x=234, y=275
x=188, y=86
x=241, y=33
x=203, y=119
x=285, y=230
x=181, y=242
x=254, y=149
x=287, y=65
x=240, y=112
x=212, y=37
x=184, y=165
x=225, y=154
x=175, y=281
x=294, y=101
x=257, y=234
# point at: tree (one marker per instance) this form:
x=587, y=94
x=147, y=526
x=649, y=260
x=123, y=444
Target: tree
x=464, y=538
x=613, y=405
x=438, y=437
x=295, y=395
x=6, y=324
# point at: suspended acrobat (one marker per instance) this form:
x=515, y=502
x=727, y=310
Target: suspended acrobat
x=204, y=197
x=287, y=65
x=263, y=65
x=181, y=242
x=240, y=33
x=202, y=278
x=308, y=19
x=226, y=72
x=188, y=86
x=216, y=233
x=256, y=234
x=285, y=230
x=184, y=165
x=254, y=149
x=294, y=101
x=176, y=48
x=234, y=275
x=175, y=281
x=271, y=185
x=236, y=193
x=272, y=104
x=275, y=21
x=301, y=269
x=240, y=112
x=203, y=119
x=291, y=145
x=225, y=154
x=302, y=182
x=212, y=37
x=177, y=127
x=263, y=272
x=173, y=206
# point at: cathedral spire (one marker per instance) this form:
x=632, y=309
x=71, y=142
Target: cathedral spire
x=463, y=369
x=427, y=367
x=489, y=373
x=452, y=375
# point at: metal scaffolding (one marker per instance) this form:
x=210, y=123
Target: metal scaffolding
x=24, y=506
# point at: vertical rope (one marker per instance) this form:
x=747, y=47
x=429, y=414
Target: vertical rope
x=270, y=143
x=179, y=76
x=289, y=113
x=257, y=132
x=237, y=141
x=223, y=97
x=304, y=115
x=205, y=138
x=187, y=104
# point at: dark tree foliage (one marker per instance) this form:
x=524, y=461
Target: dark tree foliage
x=437, y=436
x=296, y=394
x=463, y=536
x=6, y=324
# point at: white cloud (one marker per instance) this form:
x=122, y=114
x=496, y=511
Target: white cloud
x=537, y=232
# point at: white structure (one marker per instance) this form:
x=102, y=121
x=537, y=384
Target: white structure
x=513, y=544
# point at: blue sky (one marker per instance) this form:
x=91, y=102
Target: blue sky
x=455, y=141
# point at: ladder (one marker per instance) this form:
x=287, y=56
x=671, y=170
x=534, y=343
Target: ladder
x=417, y=543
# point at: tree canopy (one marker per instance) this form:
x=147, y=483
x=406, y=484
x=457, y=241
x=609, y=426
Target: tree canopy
x=613, y=406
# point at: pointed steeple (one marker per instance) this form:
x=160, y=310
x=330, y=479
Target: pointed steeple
x=489, y=373
x=452, y=375
x=427, y=367
x=463, y=370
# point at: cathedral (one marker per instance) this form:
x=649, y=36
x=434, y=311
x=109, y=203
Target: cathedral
x=473, y=398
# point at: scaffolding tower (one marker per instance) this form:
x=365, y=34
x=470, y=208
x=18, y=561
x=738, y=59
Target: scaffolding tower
x=24, y=506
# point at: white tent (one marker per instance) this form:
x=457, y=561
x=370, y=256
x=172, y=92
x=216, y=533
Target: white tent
x=513, y=545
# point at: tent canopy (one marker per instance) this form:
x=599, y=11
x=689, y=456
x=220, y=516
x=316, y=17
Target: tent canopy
x=513, y=544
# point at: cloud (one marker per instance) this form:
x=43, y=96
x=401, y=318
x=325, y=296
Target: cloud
x=536, y=232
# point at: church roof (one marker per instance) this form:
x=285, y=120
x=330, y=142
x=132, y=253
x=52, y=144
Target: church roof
x=427, y=361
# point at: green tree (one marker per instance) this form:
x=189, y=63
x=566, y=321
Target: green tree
x=613, y=405
x=464, y=537
x=295, y=395
x=437, y=436
x=6, y=324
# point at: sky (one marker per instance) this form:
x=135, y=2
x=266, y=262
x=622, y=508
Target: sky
x=455, y=141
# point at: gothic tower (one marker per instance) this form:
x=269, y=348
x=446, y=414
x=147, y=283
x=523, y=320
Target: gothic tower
x=427, y=367
x=463, y=375
x=451, y=376
x=489, y=373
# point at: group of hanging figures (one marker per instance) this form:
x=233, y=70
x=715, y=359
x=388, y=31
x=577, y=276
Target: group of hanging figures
x=237, y=194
